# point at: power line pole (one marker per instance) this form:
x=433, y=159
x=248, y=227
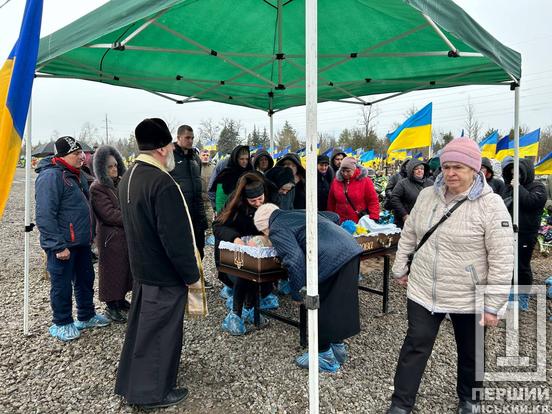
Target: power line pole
x=106, y=131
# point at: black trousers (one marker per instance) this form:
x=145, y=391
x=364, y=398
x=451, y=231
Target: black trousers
x=199, y=234
x=149, y=361
x=526, y=245
x=423, y=327
x=245, y=292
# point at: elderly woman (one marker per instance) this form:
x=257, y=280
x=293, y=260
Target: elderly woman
x=352, y=193
x=114, y=267
x=405, y=193
x=338, y=265
x=468, y=242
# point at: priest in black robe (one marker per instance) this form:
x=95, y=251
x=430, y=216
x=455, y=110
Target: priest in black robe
x=163, y=260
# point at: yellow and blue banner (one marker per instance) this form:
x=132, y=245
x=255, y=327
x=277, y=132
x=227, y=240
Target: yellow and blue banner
x=544, y=166
x=210, y=146
x=16, y=83
x=415, y=132
x=488, y=145
x=528, y=146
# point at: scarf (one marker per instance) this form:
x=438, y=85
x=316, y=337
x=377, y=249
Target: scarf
x=61, y=161
x=196, y=305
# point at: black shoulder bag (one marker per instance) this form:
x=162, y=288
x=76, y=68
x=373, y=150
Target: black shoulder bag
x=431, y=230
x=359, y=214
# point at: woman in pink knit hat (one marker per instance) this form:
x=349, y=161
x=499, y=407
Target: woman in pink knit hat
x=352, y=193
x=468, y=242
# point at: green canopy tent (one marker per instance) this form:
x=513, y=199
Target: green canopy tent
x=275, y=54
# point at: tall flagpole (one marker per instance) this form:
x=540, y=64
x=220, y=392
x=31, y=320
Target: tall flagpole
x=28, y=226
x=311, y=96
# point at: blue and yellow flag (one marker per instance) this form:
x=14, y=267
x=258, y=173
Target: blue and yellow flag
x=544, y=166
x=16, y=83
x=414, y=133
x=210, y=146
x=503, y=148
x=488, y=145
x=529, y=144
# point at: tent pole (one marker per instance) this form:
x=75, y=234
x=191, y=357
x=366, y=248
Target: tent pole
x=28, y=159
x=311, y=95
x=280, y=36
x=515, y=218
x=270, y=115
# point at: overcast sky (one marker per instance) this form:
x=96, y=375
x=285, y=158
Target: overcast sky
x=65, y=105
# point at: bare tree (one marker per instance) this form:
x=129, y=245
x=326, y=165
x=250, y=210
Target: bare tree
x=88, y=134
x=208, y=130
x=368, y=118
x=473, y=127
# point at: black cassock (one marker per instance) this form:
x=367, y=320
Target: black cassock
x=150, y=358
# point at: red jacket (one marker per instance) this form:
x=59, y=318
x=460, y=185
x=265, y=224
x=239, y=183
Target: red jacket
x=361, y=192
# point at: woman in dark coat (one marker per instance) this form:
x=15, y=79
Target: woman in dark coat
x=238, y=164
x=292, y=161
x=405, y=193
x=338, y=267
x=233, y=223
x=284, y=181
x=115, y=278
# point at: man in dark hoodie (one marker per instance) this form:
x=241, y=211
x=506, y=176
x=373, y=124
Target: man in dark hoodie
x=393, y=181
x=495, y=183
x=532, y=198
x=325, y=178
x=262, y=161
x=335, y=161
x=64, y=221
x=406, y=192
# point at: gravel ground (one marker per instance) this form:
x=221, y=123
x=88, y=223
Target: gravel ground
x=251, y=374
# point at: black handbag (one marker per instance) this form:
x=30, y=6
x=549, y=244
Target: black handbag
x=430, y=232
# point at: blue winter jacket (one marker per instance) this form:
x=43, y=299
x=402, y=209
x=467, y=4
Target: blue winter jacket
x=62, y=207
x=288, y=235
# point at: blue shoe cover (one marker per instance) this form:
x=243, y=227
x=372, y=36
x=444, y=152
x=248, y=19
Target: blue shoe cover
x=248, y=315
x=64, y=333
x=326, y=361
x=233, y=324
x=96, y=321
x=230, y=303
x=340, y=352
x=269, y=302
x=283, y=287
x=226, y=292
x=210, y=241
x=523, y=302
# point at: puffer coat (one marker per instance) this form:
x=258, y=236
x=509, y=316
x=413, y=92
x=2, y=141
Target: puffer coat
x=474, y=246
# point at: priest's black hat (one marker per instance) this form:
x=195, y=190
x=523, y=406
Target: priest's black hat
x=152, y=133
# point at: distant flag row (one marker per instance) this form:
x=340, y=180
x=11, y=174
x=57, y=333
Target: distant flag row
x=493, y=147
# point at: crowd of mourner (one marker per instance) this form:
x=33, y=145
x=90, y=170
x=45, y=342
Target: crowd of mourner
x=149, y=223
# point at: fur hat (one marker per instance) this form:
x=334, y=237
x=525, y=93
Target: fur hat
x=262, y=215
x=323, y=159
x=66, y=145
x=152, y=133
x=463, y=150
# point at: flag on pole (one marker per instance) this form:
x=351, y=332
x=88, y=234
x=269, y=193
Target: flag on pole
x=544, y=166
x=16, y=83
x=415, y=132
x=488, y=145
x=529, y=144
x=503, y=148
x=210, y=146
x=328, y=153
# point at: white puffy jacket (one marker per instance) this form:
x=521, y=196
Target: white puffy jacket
x=474, y=246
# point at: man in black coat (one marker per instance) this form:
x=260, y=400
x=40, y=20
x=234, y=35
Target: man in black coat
x=187, y=173
x=495, y=183
x=532, y=198
x=164, y=262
